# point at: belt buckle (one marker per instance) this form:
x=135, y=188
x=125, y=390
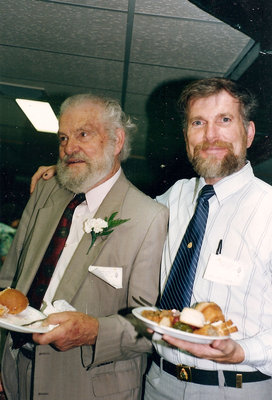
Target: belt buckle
x=239, y=381
x=184, y=373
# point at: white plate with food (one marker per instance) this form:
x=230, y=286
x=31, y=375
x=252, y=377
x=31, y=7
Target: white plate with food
x=30, y=316
x=176, y=333
x=16, y=315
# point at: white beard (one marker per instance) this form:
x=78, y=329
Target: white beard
x=94, y=171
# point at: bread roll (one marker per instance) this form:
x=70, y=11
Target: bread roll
x=14, y=300
x=211, y=311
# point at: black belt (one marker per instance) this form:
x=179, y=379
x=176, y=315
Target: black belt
x=205, y=377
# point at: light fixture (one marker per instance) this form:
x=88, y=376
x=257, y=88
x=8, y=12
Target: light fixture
x=40, y=114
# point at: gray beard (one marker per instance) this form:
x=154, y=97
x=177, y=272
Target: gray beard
x=83, y=181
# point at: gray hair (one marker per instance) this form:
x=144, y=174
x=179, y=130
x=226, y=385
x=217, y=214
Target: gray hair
x=210, y=86
x=114, y=116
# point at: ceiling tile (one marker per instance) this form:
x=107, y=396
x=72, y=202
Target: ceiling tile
x=61, y=69
x=58, y=27
x=106, y=4
x=185, y=44
x=172, y=8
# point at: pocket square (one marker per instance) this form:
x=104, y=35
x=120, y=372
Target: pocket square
x=112, y=275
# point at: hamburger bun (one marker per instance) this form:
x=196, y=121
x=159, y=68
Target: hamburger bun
x=14, y=300
x=211, y=311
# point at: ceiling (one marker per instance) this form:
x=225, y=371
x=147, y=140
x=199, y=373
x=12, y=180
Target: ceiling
x=140, y=52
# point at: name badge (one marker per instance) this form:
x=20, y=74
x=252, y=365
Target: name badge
x=223, y=270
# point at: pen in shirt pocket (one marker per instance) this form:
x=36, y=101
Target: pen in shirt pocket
x=219, y=248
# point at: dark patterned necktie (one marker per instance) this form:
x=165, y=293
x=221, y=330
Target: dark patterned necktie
x=179, y=286
x=43, y=276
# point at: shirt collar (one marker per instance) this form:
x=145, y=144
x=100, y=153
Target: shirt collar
x=234, y=182
x=228, y=185
x=95, y=196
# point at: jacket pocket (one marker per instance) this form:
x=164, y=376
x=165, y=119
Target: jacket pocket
x=117, y=377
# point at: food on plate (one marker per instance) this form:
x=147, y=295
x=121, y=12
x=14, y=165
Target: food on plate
x=13, y=301
x=192, y=317
x=169, y=318
x=205, y=318
x=221, y=329
x=3, y=310
x=211, y=311
x=159, y=316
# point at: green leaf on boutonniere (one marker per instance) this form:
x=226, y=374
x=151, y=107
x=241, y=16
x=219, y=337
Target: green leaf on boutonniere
x=101, y=227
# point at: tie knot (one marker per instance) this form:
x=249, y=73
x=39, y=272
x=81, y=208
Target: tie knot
x=80, y=197
x=206, y=192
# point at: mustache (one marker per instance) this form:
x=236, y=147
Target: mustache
x=74, y=156
x=218, y=143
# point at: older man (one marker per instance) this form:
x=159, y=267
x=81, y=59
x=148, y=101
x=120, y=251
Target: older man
x=106, y=263
x=231, y=265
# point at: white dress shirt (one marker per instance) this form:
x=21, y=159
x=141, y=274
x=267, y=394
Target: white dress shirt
x=241, y=215
x=83, y=211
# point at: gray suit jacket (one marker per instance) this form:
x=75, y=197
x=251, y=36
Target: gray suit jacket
x=113, y=368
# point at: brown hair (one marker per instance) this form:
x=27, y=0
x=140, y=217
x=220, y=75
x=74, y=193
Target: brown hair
x=210, y=86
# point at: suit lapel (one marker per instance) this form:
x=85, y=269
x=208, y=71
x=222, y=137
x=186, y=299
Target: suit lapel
x=77, y=269
x=43, y=230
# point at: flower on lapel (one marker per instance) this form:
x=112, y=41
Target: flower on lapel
x=101, y=227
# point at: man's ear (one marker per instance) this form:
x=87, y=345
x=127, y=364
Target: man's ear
x=250, y=133
x=120, y=139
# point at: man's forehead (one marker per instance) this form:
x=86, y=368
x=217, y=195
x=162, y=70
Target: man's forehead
x=217, y=99
x=83, y=112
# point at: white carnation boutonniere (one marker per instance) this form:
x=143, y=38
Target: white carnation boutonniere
x=101, y=227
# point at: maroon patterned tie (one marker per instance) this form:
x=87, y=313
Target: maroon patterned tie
x=43, y=276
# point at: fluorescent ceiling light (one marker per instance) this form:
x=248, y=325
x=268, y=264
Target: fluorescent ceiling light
x=40, y=114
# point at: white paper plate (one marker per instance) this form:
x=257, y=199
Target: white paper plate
x=176, y=333
x=15, y=322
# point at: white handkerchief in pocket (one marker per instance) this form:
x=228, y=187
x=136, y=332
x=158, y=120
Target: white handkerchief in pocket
x=112, y=275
